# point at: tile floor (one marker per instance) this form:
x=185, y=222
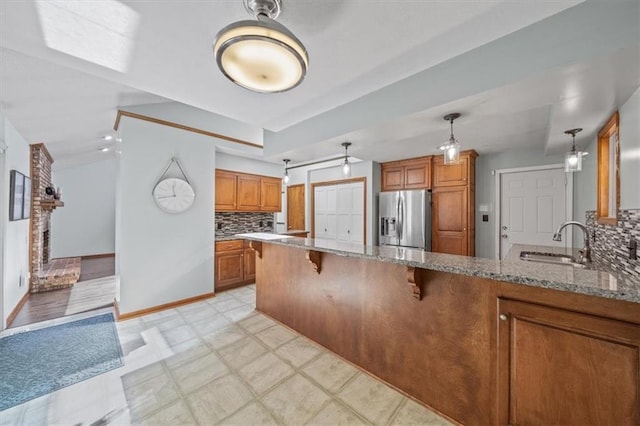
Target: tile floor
x=221, y=362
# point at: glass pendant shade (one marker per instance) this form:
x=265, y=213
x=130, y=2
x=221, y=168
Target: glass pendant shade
x=346, y=168
x=285, y=179
x=263, y=56
x=451, y=152
x=573, y=161
x=451, y=148
x=573, y=158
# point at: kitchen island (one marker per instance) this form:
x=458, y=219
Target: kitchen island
x=480, y=341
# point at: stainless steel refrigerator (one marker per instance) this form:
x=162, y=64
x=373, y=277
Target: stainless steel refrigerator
x=405, y=219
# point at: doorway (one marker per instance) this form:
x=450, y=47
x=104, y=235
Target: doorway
x=532, y=202
x=295, y=208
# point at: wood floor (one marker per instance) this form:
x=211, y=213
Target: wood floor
x=96, y=289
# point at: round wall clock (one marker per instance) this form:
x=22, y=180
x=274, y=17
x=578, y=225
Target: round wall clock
x=173, y=195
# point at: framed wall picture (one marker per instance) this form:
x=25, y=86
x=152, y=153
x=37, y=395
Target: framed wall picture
x=26, y=199
x=16, y=195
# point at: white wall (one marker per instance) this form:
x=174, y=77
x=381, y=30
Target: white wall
x=160, y=257
x=630, y=153
x=187, y=115
x=86, y=223
x=248, y=165
x=586, y=182
x=15, y=235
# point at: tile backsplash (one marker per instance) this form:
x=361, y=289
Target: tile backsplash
x=228, y=224
x=610, y=243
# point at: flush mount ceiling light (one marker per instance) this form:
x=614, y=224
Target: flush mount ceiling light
x=451, y=148
x=261, y=55
x=573, y=158
x=286, y=171
x=346, y=166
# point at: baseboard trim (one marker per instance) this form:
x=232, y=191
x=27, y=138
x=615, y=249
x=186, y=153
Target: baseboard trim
x=158, y=308
x=98, y=256
x=16, y=310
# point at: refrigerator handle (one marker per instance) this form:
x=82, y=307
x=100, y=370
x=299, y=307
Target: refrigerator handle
x=400, y=218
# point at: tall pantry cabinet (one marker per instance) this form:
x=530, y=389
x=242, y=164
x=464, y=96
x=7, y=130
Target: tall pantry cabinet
x=453, y=226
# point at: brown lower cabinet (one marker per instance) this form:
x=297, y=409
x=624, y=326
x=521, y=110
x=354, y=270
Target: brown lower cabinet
x=235, y=264
x=558, y=367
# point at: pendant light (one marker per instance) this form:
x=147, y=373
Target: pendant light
x=346, y=166
x=261, y=55
x=286, y=171
x=451, y=148
x=573, y=158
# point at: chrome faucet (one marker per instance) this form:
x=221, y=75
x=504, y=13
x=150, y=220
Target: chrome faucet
x=586, y=252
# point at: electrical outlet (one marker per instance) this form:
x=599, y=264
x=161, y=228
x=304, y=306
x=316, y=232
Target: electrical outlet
x=485, y=218
x=219, y=226
x=261, y=223
x=269, y=223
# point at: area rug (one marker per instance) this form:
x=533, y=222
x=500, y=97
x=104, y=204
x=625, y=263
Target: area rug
x=34, y=363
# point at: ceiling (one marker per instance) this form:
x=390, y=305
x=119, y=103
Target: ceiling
x=67, y=66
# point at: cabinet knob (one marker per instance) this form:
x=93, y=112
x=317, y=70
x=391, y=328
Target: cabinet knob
x=348, y=231
x=503, y=317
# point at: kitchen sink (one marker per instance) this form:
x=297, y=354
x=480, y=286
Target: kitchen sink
x=558, y=259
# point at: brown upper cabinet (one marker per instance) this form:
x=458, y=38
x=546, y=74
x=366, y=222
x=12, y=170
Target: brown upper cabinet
x=460, y=174
x=407, y=174
x=245, y=192
x=226, y=190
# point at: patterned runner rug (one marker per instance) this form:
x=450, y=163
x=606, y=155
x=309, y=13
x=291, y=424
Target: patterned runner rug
x=38, y=362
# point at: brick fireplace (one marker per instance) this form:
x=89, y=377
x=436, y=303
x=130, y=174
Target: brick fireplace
x=46, y=274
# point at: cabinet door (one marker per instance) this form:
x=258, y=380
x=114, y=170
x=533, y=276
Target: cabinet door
x=226, y=187
x=229, y=268
x=417, y=174
x=249, y=264
x=249, y=192
x=392, y=177
x=271, y=194
x=450, y=233
x=451, y=174
x=561, y=367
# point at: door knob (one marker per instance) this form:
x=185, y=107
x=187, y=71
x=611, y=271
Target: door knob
x=505, y=236
x=503, y=317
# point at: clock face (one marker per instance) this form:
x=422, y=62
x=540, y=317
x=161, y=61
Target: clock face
x=173, y=195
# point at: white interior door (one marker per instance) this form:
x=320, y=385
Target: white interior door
x=532, y=206
x=339, y=212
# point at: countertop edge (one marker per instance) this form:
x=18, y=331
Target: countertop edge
x=521, y=279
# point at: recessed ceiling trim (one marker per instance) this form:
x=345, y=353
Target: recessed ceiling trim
x=122, y=113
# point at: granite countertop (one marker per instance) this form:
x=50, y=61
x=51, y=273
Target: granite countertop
x=558, y=277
